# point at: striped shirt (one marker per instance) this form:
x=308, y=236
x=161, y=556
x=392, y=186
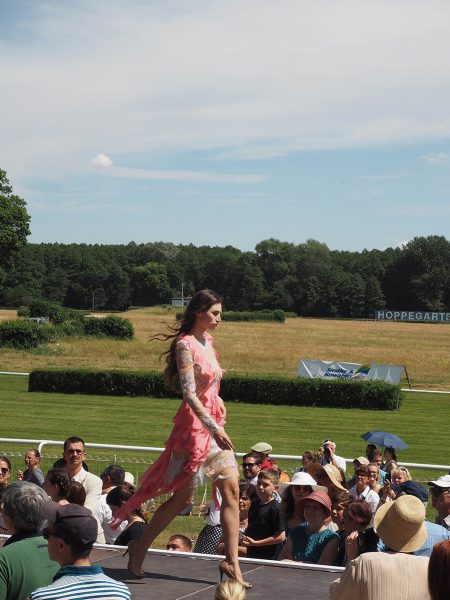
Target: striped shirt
x=83, y=583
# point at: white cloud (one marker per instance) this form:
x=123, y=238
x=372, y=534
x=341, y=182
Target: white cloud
x=182, y=176
x=101, y=161
x=247, y=80
x=438, y=158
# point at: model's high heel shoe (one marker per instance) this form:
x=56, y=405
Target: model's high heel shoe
x=131, y=554
x=226, y=568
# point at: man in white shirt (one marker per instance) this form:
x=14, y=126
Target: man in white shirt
x=440, y=490
x=74, y=454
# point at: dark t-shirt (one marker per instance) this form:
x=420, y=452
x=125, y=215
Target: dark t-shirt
x=133, y=532
x=264, y=520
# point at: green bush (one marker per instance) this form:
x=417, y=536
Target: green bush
x=55, y=312
x=25, y=334
x=23, y=311
x=116, y=327
x=295, y=391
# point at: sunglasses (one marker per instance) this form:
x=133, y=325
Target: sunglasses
x=437, y=491
x=303, y=488
x=73, y=451
x=248, y=465
x=4, y=470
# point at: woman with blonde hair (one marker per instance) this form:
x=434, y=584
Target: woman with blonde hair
x=230, y=590
x=400, y=475
x=198, y=445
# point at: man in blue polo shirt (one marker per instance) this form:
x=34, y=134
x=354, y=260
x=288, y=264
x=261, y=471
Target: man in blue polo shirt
x=71, y=533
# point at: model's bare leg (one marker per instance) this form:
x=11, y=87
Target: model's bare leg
x=162, y=517
x=229, y=519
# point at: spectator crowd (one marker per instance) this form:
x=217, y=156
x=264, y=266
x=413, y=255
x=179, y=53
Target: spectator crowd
x=371, y=521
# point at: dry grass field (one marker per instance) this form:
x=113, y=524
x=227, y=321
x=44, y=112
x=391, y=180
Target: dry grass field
x=259, y=347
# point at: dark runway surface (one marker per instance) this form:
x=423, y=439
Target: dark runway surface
x=171, y=576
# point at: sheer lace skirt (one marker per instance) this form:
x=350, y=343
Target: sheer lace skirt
x=219, y=464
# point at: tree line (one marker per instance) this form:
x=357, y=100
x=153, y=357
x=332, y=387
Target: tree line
x=307, y=278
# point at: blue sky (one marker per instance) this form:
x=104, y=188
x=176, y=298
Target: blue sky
x=227, y=122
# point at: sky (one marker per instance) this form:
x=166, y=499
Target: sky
x=223, y=122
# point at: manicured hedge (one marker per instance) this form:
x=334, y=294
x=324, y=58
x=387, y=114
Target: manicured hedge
x=17, y=333
x=296, y=391
x=250, y=315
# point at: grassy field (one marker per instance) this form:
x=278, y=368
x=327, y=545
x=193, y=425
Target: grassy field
x=244, y=348
x=261, y=348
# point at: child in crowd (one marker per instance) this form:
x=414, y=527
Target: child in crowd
x=265, y=531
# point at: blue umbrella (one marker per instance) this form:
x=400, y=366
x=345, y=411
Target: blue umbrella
x=384, y=439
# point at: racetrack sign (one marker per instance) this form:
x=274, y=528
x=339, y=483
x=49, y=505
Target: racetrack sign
x=323, y=369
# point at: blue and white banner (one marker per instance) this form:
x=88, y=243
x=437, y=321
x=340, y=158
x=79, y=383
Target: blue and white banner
x=339, y=370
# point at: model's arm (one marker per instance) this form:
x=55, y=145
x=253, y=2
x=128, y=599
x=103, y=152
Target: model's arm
x=185, y=365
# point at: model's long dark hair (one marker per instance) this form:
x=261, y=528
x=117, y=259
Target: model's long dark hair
x=201, y=301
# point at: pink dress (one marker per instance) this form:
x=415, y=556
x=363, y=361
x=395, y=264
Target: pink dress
x=191, y=452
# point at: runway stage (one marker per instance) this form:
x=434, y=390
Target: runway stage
x=175, y=576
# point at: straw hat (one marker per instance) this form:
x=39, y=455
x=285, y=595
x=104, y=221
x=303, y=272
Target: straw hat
x=333, y=473
x=303, y=478
x=320, y=497
x=400, y=524
x=362, y=460
x=261, y=447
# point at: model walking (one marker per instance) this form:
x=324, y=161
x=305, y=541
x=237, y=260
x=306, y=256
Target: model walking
x=198, y=446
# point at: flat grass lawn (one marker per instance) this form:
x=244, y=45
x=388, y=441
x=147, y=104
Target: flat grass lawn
x=422, y=422
x=259, y=347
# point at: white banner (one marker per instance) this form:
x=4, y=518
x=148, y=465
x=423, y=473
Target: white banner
x=355, y=371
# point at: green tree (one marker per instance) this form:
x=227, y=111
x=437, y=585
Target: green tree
x=14, y=222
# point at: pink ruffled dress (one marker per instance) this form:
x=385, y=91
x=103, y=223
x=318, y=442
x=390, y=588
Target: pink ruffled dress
x=191, y=452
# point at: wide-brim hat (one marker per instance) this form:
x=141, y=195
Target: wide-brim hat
x=318, y=496
x=332, y=472
x=261, y=447
x=400, y=524
x=303, y=478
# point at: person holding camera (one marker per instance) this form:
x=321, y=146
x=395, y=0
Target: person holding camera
x=329, y=456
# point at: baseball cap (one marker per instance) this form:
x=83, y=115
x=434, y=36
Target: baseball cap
x=442, y=482
x=73, y=523
x=261, y=447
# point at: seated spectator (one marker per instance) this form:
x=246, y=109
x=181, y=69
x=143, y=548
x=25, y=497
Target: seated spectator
x=71, y=532
x=397, y=574
x=390, y=461
x=400, y=475
x=308, y=457
x=301, y=485
x=33, y=473
x=356, y=535
x=370, y=448
x=329, y=456
x=377, y=458
x=244, y=507
x=5, y=474
x=363, y=491
x=357, y=462
x=230, y=590
x=179, y=543
x=136, y=521
x=265, y=531
x=264, y=449
x=57, y=485
x=440, y=493
x=111, y=476
x=24, y=561
x=438, y=572
x=77, y=494
x=436, y=533
x=328, y=476
x=373, y=471
x=251, y=466
x=312, y=542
